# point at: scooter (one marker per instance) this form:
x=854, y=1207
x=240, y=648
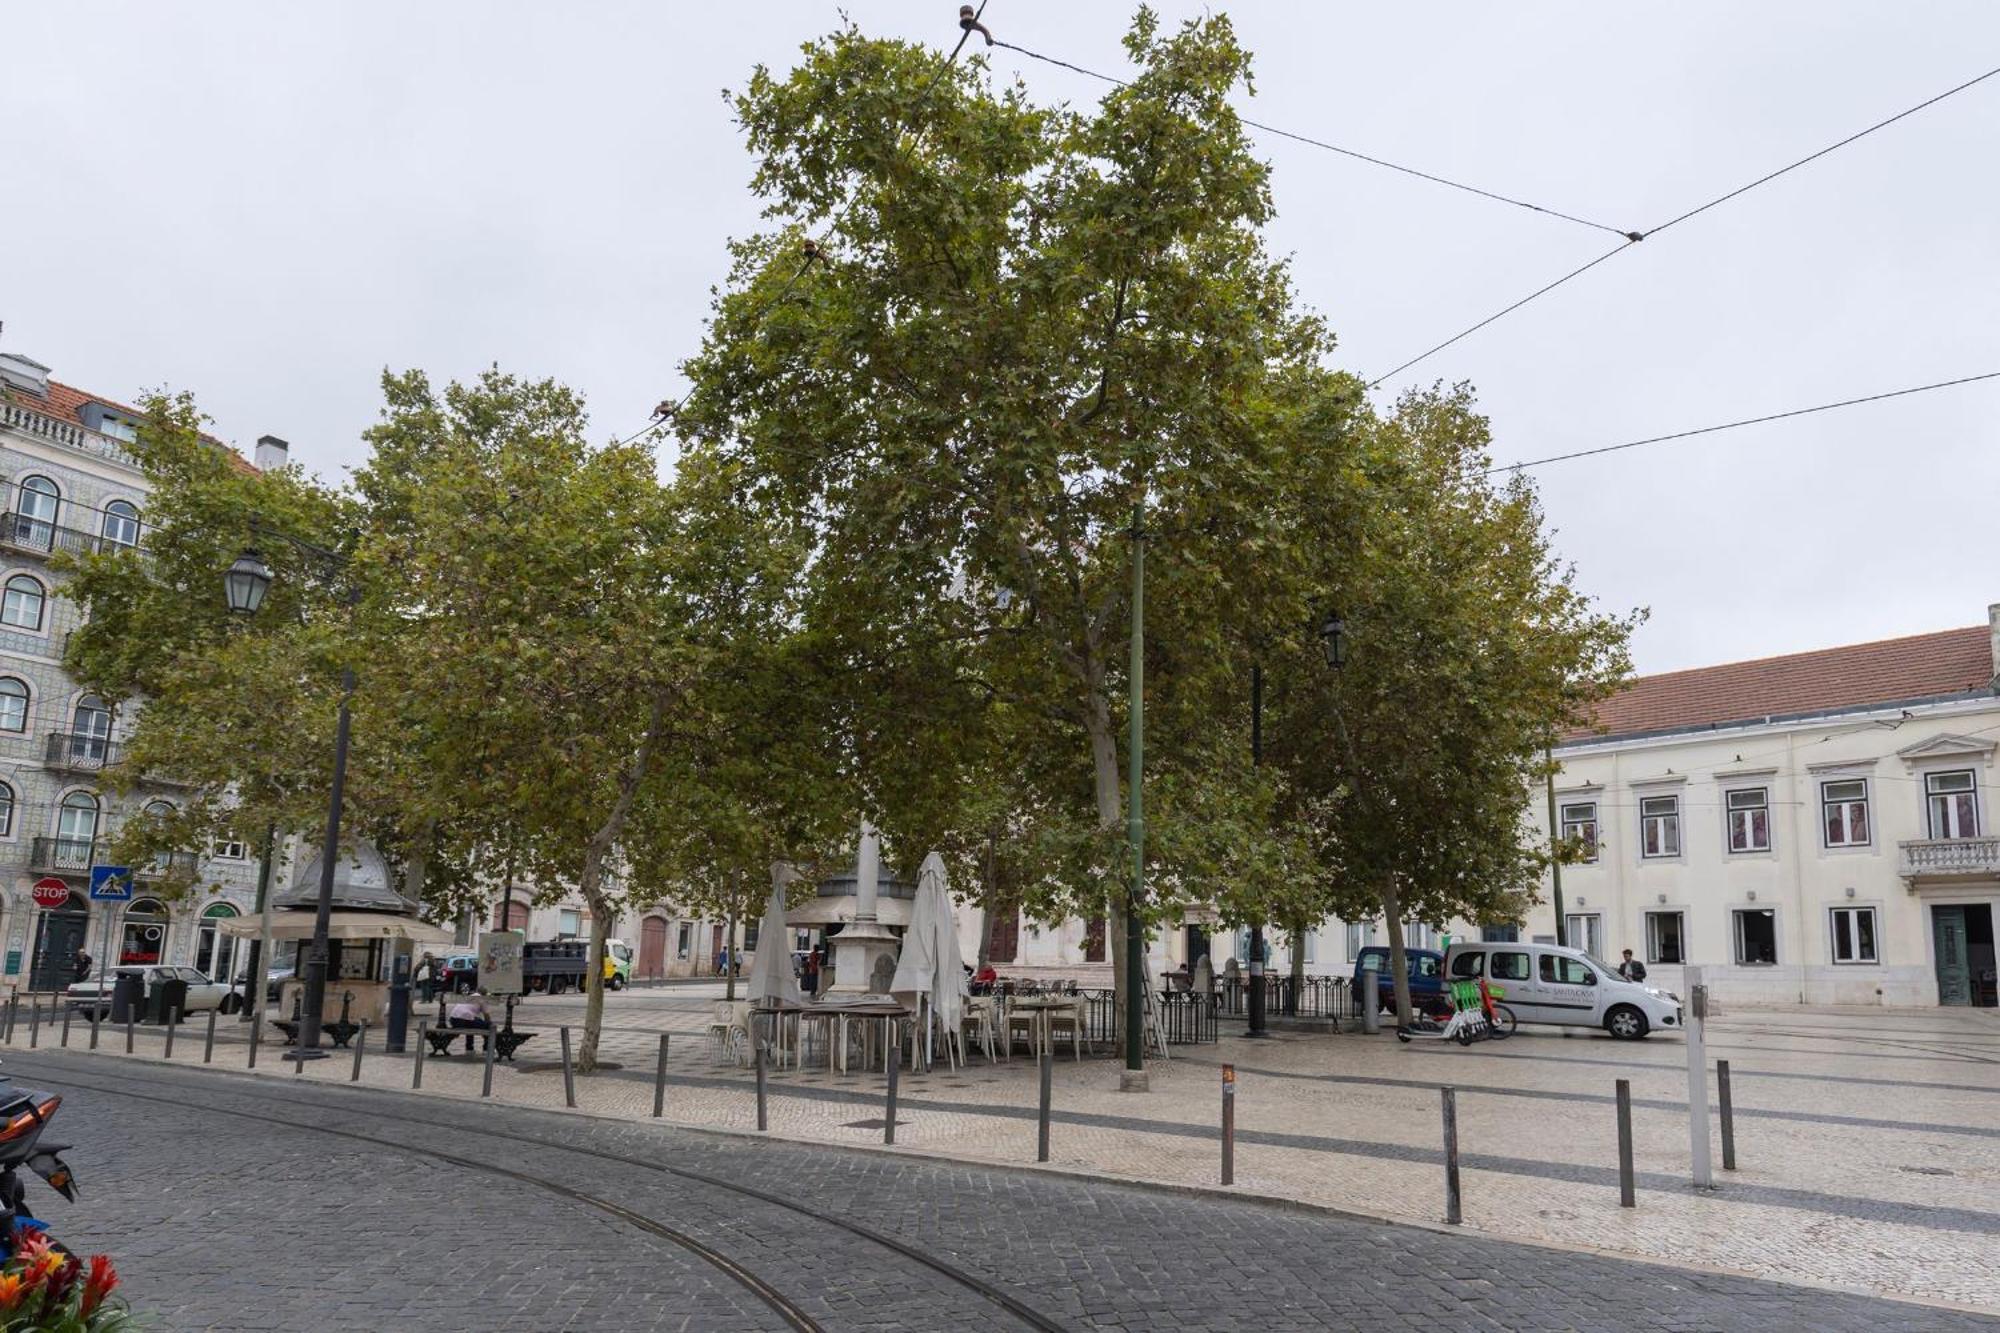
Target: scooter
x=24, y=1116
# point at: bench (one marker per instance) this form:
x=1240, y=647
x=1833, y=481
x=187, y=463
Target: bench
x=339, y=1030
x=506, y=1040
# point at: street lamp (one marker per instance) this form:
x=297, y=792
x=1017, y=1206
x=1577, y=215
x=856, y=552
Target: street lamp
x=1333, y=637
x=245, y=585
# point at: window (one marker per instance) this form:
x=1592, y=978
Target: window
x=1844, y=807
x=1310, y=938
x=6, y=811
x=1469, y=965
x=684, y=939
x=1854, y=935
x=215, y=952
x=569, y=921
x=231, y=848
x=1360, y=934
x=1003, y=934
x=751, y=930
x=144, y=942
x=21, y=604
x=1749, y=819
x=118, y=430
x=1425, y=967
x=1756, y=936
x=161, y=813
x=90, y=730
x=1954, y=804
x=1579, y=825
x=13, y=704
x=1665, y=937
x=76, y=831
x=1417, y=935
x=1660, y=826
x=1507, y=965
x=1499, y=934
x=35, y=512
x=121, y=523
x=1584, y=931
x=1093, y=940
x=1558, y=970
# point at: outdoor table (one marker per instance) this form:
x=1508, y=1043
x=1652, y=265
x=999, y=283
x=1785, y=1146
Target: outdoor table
x=836, y=1016
x=774, y=1013
x=1039, y=1007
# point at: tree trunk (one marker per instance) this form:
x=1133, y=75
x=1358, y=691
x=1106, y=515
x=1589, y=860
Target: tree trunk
x=984, y=954
x=591, y=883
x=1399, y=962
x=1298, y=995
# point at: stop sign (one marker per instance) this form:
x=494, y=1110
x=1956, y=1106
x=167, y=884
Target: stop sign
x=51, y=892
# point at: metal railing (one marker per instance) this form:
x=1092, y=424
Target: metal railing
x=62, y=855
x=1950, y=856
x=1318, y=997
x=17, y=415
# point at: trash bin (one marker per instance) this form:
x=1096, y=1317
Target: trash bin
x=128, y=996
x=168, y=1000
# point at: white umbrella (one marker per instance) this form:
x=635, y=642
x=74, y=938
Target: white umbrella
x=950, y=992
x=771, y=980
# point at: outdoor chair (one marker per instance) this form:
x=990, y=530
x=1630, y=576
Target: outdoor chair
x=1022, y=1023
x=978, y=1021
x=1070, y=1019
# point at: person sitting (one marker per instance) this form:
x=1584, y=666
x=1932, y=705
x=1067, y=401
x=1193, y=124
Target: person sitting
x=470, y=1013
x=983, y=979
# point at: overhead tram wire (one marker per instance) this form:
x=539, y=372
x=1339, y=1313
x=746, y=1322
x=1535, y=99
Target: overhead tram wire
x=1746, y=421
x=1633, y=238
x=968, y=23
x=1356, y=154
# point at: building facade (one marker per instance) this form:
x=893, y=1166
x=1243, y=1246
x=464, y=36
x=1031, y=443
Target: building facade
x=68, y=484
x=1809, y=829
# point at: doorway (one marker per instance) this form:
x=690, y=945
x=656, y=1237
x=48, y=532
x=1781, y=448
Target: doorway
x=1963, y=938
x=653, y=947
x=58, y=937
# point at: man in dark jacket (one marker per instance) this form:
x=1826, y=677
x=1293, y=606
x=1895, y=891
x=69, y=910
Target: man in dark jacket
x=1632, y=969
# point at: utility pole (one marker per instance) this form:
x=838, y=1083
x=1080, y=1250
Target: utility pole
x=1257, y=1028
x=1134, y=1077
x=258, y=971
x=1555, y=859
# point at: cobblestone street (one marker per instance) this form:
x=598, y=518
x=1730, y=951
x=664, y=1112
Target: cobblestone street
x=236, y=1203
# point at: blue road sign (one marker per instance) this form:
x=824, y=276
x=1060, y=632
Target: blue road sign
x=111, y=884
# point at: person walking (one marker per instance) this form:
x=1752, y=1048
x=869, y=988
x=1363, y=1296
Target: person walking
x=811, y=977
x=1632, y=969
x=82, y=965
x=426, y=976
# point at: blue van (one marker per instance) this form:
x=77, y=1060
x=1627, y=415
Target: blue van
x=1426, y=977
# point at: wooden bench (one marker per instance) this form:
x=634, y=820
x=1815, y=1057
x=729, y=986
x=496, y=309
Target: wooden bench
x=506, y=1040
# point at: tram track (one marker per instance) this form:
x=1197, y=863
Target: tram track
x=794, y=1316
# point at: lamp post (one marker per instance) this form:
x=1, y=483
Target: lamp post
x=1257, y=1028
x=245, y=585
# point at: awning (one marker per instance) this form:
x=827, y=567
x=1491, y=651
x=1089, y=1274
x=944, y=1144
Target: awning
x=295, y=925
x=840, y=911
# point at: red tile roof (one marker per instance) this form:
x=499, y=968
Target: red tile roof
x=1889, y=671
x=65, y=403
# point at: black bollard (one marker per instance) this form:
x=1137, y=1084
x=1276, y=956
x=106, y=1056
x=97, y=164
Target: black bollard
x=569, y=1072
x=1229, y=1124
x=1626, y=1196
x=763, y=1118
x=417, y=1067
x=1042, y=1126
x=889, y=1115
x=96, y=1019
x=660, y=1080
x=256, y=1039
x=208, y=1043
x=1728, y=1115
x=486, y=1075
x=67, y=1013
x=1452, y=1213
x=128, y=1030
x=360, y=1040
x=34, y=1022
x=173, y=1022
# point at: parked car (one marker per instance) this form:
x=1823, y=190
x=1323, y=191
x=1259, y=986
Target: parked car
x=93, y=997
x=458, y=973
x=1544, y=983
x=273, y=978
x=1426, y=976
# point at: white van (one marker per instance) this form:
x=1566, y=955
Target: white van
x=1567, y=987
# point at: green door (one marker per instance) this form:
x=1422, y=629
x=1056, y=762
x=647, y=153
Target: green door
x=1954, y=970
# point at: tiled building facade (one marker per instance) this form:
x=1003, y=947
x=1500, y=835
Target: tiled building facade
x=67, y=483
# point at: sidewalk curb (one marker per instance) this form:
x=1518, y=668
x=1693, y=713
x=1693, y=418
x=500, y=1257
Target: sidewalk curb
x=1181, y=1189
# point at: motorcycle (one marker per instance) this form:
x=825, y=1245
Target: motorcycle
x=24, y=1116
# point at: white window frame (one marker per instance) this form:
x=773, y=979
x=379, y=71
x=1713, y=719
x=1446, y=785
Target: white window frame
x=1736, y=940
x=26, y=697
x=1866, y=801
x=1593, y=931
x=1652, y=941
x=1757, y=801
x=1669, y=822
x=231, y=848
x=1582, y=827
x=683, y=940
x=1942, y=802
x=1360, y=935
x=118, y=514
x=11, y=597
x=1310, y=938
x=569, y=921
x=1853, y=913
x=10, y=809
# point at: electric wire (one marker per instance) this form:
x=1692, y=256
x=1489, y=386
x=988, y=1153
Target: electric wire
x=1746, y=421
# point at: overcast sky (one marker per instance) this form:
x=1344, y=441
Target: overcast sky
x=268, y=204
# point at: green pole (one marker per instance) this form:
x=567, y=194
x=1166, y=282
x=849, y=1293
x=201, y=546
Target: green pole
x=1135, y=832
x=1555, y=833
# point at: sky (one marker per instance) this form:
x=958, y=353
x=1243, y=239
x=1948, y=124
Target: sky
x=271, y=204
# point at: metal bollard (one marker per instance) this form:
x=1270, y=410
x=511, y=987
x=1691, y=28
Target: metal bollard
x=173, y=1022
x=417, y=1069
x=660, y=1080
x=1371, y=1001
x=13, y=1009
x=256, y=1039
x=128, y=1032
x=360, y=1040
x=35, y=1022
x=67, y=1014
x=1728, y=1115
x=96, y=1020
x=1626, y=1197
x=763, y=1117
x=208, y=1044
x=1229, y=1124
x=889, y=1111
x=486, y=1075
x=1042, y=1128
x=1452, y=1213
x=569, y=1072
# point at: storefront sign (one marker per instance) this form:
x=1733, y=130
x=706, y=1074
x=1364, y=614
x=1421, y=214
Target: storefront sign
x=50, y=892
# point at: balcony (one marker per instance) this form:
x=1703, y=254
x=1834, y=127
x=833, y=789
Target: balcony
x=62, y=856
x=1935, y=861
x=38, y=536
x=178, y=865
x=78, y=752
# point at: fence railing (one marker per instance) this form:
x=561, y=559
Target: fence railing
x=1318, y=997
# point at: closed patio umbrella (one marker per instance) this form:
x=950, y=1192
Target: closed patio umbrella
x=771, y=980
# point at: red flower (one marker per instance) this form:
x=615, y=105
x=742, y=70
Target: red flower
x=102, y=1278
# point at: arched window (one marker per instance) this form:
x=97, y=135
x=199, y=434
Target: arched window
x=76, y=831
x=6, y=811
x=145, y=938
x=215, y=954
x=13, y=704
x=22, y=602
x=121, y=523
x=35, y=512
x=161, y=812
x=90, y=731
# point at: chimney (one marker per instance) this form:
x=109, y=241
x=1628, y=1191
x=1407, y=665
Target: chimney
x=1993, y=638
x=272, y=453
